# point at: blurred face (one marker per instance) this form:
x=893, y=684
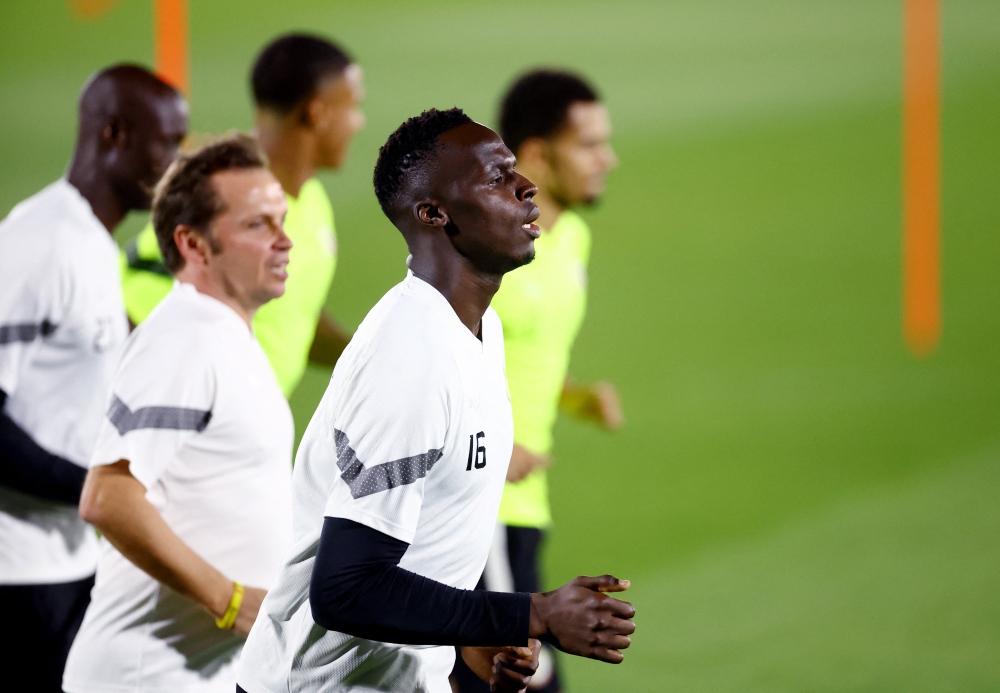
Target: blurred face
x=249, y=247
x=580, y=156
x=489, y=206
x=336, y=115
x=146, y=145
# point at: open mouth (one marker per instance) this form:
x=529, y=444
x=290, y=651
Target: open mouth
x=529, y=224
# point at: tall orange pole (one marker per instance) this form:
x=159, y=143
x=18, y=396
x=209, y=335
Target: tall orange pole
x=170, y=20
x=922, y=175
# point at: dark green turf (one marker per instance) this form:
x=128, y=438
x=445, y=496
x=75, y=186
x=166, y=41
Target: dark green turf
x=800, y=503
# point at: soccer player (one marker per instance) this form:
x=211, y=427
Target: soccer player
x=62, y=325
x=307, y=93
x=558, y=128
x=399, y=475
x=190, y=480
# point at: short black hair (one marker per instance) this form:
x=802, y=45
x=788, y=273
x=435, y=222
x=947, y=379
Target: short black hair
x=186, y=195
x=290, y=69
x=407, y=149
x=537, y=103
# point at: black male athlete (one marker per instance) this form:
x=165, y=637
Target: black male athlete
x=399, y=476
x=62, y=325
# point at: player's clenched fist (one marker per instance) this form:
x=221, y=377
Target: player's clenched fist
x=506, y=669
x=580, y=619
x=513, y=668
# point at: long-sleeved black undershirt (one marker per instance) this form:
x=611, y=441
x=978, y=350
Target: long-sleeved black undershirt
x=27, y=467
x=358, y=588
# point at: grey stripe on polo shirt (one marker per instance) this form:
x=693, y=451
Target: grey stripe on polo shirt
x=25, y=331
x=175, y=418
x=381, y=477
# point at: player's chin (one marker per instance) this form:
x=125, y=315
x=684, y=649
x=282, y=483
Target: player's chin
x=527, y=256
x=521, y=257
x=273, y=288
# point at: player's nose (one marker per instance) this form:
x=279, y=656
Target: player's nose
x=525, y=188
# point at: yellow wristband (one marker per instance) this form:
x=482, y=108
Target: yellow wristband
x=228, y=619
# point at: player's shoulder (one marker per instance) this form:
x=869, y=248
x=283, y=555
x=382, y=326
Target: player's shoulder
x=52, y=211
x=33, y=222
x=313, y=198
x=411, y=309
x=37, y=242
x=185, y=327
x=56, y=228
x=406, y=331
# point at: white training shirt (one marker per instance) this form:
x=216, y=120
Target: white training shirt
x=394, y=446
x=62, y=326
x=197, y=412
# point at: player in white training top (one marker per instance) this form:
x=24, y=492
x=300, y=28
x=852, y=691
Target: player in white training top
x=190, y=482
x=399, y=475
x=62, y=326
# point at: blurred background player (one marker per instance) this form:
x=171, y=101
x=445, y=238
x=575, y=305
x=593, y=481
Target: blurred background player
x=190, y=481
x=559, y=130
x=62, y=325
x=307, y=93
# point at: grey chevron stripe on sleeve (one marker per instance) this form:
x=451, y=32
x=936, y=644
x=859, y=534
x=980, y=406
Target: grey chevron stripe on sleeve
x=175, y=418
x=381, y=477
x=25, y=332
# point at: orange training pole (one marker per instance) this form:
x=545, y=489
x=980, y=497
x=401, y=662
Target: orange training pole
x=170, y=18
x=921, y=175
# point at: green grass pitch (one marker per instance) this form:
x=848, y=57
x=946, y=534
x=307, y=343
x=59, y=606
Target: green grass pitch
x=800, y=504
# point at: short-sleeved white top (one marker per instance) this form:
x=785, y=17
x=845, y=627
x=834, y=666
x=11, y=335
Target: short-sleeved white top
x=62, y=326
x=197, y=412
x=412, y=438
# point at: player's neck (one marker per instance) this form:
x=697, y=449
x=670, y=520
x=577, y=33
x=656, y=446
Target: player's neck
x=549, y=209
x=206, y=283
x=97, y=191
x=291, y=152
x=467, y=290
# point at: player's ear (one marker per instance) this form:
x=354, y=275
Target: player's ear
x=531, y=153
x=192, y=245
x=430, y=213
x=314, y=113
x=113, y=133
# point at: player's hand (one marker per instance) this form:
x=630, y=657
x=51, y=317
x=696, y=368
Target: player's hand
x=597, y=402
x=513, y=669
x=523, y=462
x=580, y=619
x=504, y=668
x=252, y=598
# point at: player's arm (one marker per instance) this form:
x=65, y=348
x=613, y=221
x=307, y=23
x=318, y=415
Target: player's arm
x=115, y=502
x=30, y=310
x=597, y=402
x=358, y=588
x=27, y=467
x=330, y=341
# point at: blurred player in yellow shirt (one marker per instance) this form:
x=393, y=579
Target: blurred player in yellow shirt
x=307, y=93
x=559, y=130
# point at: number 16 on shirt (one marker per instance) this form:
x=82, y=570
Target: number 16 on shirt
x=480, y=458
